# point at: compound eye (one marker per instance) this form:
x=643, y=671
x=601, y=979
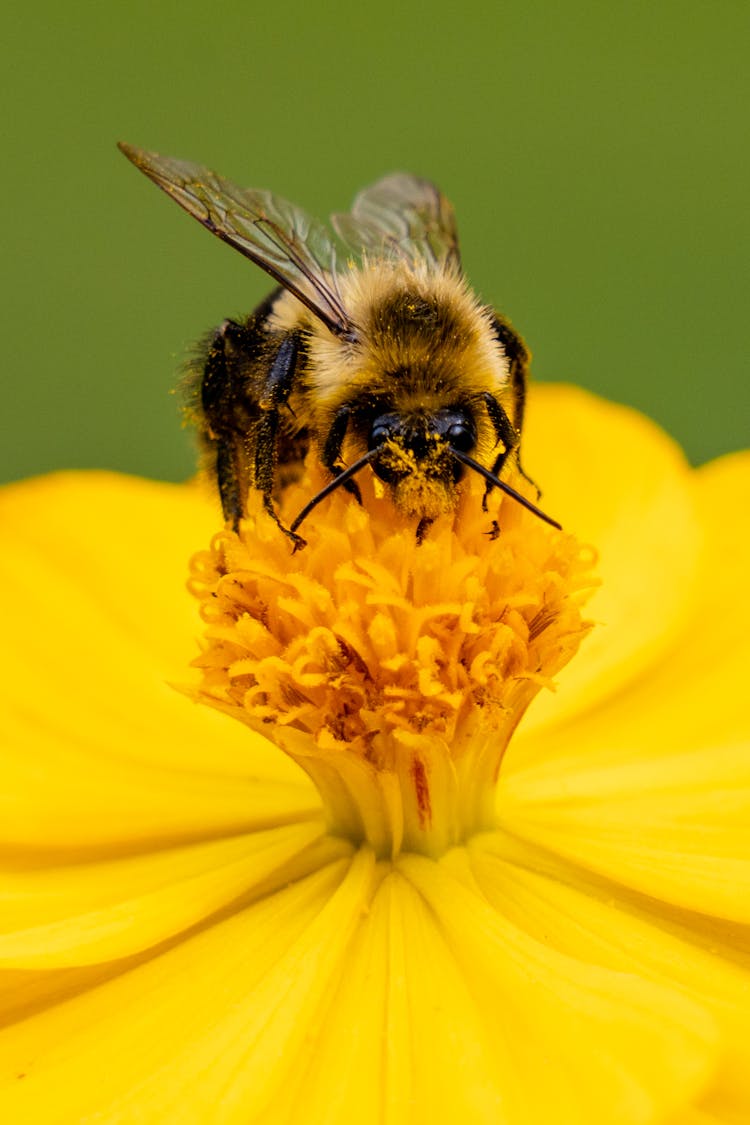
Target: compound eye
x=383, y=429
x=461, y=436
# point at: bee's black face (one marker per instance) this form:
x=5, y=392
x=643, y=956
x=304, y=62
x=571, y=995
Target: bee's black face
x=428, y=437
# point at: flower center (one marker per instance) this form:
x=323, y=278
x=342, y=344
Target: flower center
x=393, y=671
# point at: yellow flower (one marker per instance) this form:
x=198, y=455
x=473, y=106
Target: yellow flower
x=196, y=930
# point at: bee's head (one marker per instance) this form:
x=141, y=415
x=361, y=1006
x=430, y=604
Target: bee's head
x=421, y=455
x=416, y=456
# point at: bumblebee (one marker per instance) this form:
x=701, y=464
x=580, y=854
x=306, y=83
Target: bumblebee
x=373, y=350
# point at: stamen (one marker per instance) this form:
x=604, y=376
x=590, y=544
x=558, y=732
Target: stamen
x=392, y=672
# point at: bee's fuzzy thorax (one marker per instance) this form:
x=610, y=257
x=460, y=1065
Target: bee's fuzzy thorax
x=423, y=339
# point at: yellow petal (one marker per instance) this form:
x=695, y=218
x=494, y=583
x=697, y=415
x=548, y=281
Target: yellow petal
x=653, y=789
x=695, y=696
x=589, y=918
x=442, y=1063
x=219, y=1028
x=616, y=481
x=340, y=1076
x=697, y=1116
x=576, y=1042
x=72, y=792
x=98, y=747
x=123, y=541
x=675, y=827
x=101, y=911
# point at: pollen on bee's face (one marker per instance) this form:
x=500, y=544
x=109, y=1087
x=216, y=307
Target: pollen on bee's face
x=421, y=486
x=395, y=461
x=424, y=494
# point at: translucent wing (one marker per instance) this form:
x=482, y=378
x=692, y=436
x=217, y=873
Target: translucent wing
x=402, y=216
x=295, y=249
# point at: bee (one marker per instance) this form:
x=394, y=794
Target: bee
x=372, y=349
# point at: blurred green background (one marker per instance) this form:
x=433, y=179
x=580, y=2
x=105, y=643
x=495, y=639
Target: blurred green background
x=596, y=154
